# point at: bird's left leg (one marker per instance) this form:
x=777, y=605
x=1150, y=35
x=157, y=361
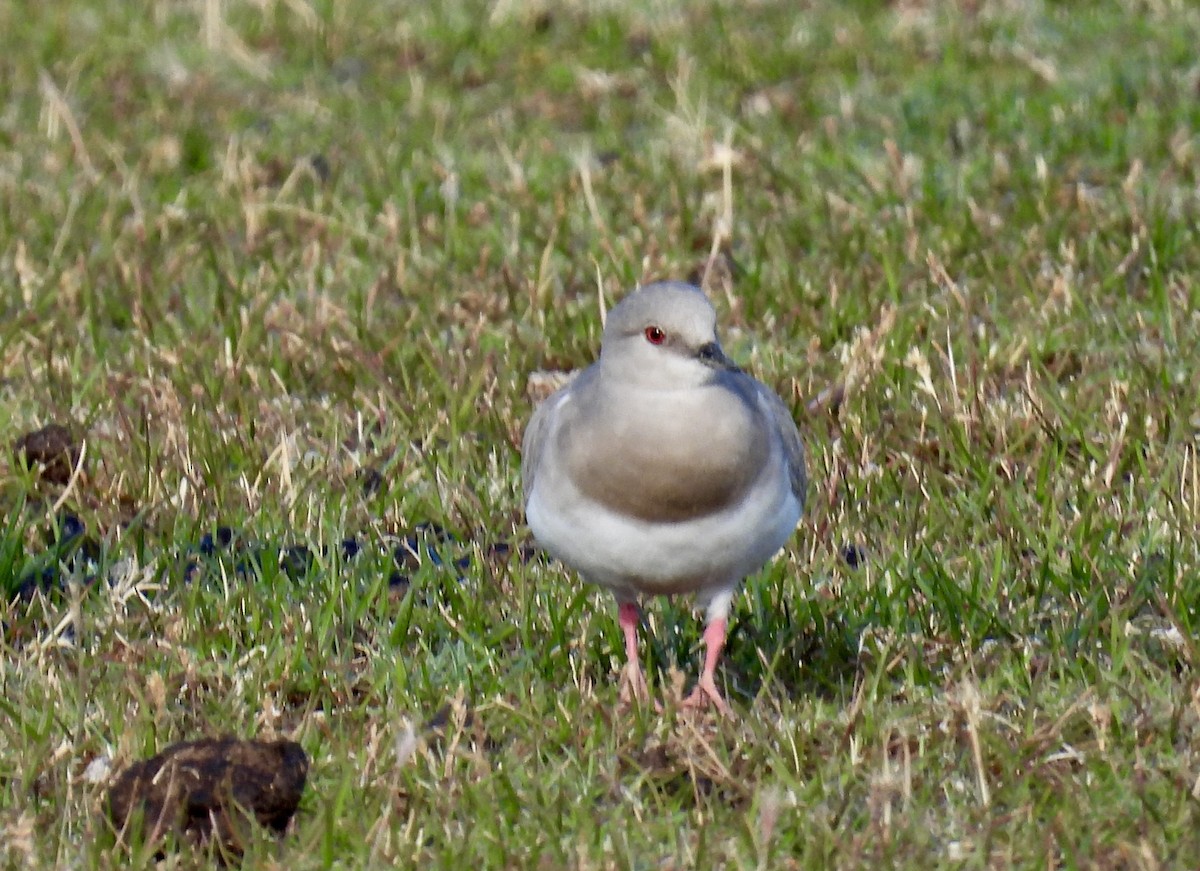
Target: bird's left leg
x=706, y=688
x=633, y=683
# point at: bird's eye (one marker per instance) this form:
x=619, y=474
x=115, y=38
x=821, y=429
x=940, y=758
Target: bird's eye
x=655, y=335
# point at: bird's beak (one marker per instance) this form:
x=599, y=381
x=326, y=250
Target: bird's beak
x=712, y=355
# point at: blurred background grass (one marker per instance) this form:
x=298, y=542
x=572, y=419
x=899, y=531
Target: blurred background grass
x=287, y=266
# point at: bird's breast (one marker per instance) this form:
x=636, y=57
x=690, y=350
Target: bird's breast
x=665, y=457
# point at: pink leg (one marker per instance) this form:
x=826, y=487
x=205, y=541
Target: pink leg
x=706, y=689
x=634, y=683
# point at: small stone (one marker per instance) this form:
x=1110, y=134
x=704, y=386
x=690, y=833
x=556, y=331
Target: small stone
x=220, y=539
x=70, y=527
x=72, y=545
x=34, y=580
x=191, y=570
x=52, y=450
x=406, y=557
x=296, y=561
x=351, y=547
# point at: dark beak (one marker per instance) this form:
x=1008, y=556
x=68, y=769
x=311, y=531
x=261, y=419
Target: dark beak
x=712, y=355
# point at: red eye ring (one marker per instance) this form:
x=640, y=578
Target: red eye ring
x=655, y=335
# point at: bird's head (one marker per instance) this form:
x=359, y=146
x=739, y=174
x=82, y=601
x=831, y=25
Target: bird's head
x=663, y=337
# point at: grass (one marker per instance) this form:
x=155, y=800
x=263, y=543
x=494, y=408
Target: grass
x=262, y=254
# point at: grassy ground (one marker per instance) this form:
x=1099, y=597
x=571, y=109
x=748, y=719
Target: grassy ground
x=287, y=267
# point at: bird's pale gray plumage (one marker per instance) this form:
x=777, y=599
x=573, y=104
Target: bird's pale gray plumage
x=708, y=467
x=534, y=439
x=792, y=443
x=663, y=468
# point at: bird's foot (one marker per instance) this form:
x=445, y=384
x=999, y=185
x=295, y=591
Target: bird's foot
x=633, y=684
x=706, y=692
x=634, y=689
x=706, y=688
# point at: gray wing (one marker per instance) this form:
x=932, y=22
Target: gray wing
x=789, y=434
x=533, y=443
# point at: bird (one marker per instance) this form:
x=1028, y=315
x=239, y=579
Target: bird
x=664, y=469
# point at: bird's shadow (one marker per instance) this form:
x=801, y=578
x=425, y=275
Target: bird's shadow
x=779, y=643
